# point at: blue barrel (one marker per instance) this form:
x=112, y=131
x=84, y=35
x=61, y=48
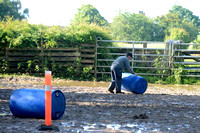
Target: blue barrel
x=133, y=83
x=31, y=103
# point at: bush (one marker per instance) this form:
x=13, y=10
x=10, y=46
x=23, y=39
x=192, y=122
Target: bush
x=18, y=34
x=87, y=33
x=21, y=34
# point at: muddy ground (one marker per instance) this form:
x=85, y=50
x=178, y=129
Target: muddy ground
x=162, y=108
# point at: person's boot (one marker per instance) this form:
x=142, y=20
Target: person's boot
x=120, y=92
x=111, y=91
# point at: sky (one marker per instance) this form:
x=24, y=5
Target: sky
x=61, y=12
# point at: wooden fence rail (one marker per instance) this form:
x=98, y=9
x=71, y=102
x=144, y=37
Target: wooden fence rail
x=59, y=56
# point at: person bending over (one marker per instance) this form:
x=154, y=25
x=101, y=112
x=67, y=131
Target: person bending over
x=117, y=68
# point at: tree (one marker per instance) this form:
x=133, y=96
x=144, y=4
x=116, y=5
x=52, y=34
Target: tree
x=12, y=9
x=179, y=34
x=89, y=14
x=127, y=26
x=168, y=21
x=196, y=41
x=185, y=15
x=158, y=32
x=172, y=20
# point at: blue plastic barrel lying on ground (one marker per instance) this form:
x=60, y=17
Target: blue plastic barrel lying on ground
x=31, y=103
x=133, y=83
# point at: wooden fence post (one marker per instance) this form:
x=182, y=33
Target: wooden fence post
x=172, y=58
x=133, y=52
x=144, y=46
x=78, y=59
x=95, y=64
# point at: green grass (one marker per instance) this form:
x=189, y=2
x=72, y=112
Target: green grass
x=14, y=75
x=156, y=45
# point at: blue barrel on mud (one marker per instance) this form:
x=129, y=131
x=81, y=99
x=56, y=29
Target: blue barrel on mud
x=133, y=83
x=31, y=103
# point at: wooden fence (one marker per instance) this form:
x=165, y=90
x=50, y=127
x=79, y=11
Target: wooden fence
x=18, y=59
x=164, y=59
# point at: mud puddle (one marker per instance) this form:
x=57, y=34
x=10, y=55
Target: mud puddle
x=112, y=127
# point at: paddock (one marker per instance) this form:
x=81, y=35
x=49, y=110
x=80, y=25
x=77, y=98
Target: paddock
x=90, y=108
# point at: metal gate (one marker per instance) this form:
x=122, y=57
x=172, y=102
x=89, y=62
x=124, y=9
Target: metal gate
x=149, y=58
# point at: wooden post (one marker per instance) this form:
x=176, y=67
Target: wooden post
x=172, y=58
x=95, y=66
x=167, y=47
x=78, y=60
x=144, y=46
x=133, y=52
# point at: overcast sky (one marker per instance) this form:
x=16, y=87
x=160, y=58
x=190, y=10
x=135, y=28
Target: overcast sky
x=60, y=12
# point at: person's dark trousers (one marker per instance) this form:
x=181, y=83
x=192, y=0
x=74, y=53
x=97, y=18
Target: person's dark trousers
x=116, y=74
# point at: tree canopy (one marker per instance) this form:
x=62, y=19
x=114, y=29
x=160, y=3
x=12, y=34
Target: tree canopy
x=178, y=24
x=89, y=14
x=185, y=15
x=12, y=8
x=127, y=26
x=172, y=21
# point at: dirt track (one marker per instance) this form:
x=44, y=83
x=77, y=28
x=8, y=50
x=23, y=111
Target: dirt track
x=92, y=109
